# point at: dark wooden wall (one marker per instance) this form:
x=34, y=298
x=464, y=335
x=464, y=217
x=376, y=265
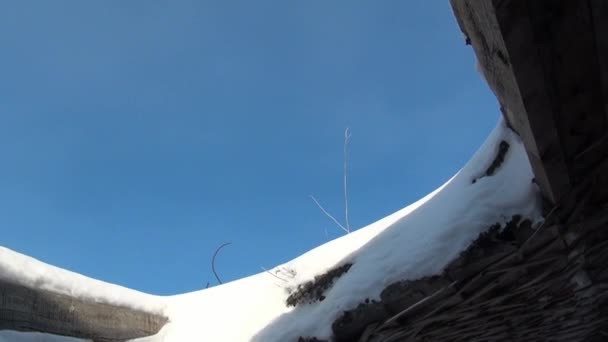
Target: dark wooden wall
x=547, y=63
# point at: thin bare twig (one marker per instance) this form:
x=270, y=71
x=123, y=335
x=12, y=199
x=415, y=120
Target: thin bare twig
x=346, y=140
x=346, y=228
x=328, y=214
x=213, y=260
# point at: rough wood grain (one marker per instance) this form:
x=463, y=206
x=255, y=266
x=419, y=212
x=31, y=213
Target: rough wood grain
x=25, y=309
x=546, y=62
x=599, y=8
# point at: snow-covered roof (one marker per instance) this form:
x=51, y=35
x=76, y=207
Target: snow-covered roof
x=416, y=241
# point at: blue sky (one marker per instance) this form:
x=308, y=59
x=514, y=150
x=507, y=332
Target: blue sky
x=137, y=136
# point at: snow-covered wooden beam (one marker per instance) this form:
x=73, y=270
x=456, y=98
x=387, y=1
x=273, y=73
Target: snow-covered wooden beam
x=547, y=63
x=25, y=309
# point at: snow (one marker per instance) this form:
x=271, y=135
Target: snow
x=416, y=241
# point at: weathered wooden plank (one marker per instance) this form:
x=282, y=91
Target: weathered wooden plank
x=546, y=63
x=599, y=10
x=565, y=43
x=479, y=22
x=25, y=309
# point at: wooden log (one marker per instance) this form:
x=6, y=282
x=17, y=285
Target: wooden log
x=34, y=310
x=598, y=9
x=546, y=63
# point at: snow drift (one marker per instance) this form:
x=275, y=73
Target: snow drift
x=417, y=241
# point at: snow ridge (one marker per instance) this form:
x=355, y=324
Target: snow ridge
x=417, y=241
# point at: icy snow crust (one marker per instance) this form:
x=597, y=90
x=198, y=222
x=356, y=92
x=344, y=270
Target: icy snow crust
x=416, y=241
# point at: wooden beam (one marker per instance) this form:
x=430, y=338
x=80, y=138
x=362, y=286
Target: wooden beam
x=600, y=24
x=545, y=60
x=25, y=309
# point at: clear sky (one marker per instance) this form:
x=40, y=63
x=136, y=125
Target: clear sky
x=137, y=136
